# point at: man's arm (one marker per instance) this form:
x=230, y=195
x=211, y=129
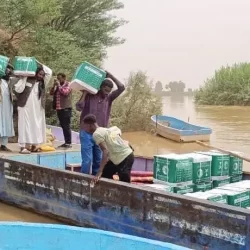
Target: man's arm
x=120, y=87
x=105, y=157
x=81, y=103
x=65, y=89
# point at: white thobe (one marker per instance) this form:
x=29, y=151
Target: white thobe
x=31, y=117
x=6, y=114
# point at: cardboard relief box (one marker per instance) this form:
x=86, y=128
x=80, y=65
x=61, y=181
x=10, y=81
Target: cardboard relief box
x=236, y=165
x=236, y=196
x=3, y=65
x=88, y=77
x=202, y=187
x=221, y=198
x=221, y=182
x=25, y=66
x=201, y=167
x=173, y=169
x=220, y=163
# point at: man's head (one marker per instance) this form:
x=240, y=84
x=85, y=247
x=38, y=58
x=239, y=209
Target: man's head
x=40, y=74
x=106, y=87
x=61, y=77
x=8, y=72
x=90, y=123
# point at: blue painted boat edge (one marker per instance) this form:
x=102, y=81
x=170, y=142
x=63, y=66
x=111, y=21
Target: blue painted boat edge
x=94, y=231
x=202, y=130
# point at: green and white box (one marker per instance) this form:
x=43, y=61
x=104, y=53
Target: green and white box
x=25, y=66
x=201, y=167
x=221, y=198
x=161, y=187
x=173, y=169
x=236, y=197
x=184, y=189
x=3, y=65
x=236, y=178
x=241, y=184
x=88, y=77
x=221, y=182
x=202, y=187
x=220, y=163
x=236, y=165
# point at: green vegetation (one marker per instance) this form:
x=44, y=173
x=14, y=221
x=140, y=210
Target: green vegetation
x=59, y=33
x=132, y=111
x=62, y=34
x=228, y=86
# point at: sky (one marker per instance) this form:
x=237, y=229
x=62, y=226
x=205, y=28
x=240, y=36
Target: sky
x=181, y=39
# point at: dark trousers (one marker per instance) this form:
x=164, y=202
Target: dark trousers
x=123, y=169
x=64, y=116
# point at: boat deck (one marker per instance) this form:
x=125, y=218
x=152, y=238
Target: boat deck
x=15, y=149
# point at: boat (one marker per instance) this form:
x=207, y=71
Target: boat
x=178, y=130
x=36, y=236
x=41, y=183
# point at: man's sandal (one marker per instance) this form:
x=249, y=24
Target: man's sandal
x=35, y=149
x=24, y=151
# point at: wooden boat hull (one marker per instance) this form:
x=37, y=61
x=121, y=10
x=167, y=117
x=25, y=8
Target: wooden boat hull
x=189, y=133
x=34, y=236
x=120, y=207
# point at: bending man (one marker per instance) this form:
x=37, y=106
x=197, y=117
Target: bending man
x=117, y=155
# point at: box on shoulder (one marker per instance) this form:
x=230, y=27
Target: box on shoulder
x=25, y=66
x=88, y=77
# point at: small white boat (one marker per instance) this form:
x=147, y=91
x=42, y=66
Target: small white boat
x=178, y=130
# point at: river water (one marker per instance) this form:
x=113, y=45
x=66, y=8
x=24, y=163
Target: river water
x=231, y=126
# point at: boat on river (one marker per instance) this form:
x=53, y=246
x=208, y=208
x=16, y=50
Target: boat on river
x=41, y=183
x=35, y=236
x=178, y=130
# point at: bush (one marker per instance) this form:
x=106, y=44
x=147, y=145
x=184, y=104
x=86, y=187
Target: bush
x=229, y=86
x=132, y=111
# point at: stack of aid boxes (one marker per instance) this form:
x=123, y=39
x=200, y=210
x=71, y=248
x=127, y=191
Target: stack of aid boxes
x=175, y=171
x=219, y=168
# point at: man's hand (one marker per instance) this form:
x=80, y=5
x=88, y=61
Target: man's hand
x=56, y=83
x=108, y=74
x=96, y=179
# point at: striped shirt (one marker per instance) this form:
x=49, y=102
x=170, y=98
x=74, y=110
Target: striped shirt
x=61, y=90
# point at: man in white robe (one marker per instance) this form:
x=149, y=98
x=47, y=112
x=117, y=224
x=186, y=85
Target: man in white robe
x=6, y=110
x=30, y=94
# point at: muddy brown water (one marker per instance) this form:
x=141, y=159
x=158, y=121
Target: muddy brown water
x=231, y=126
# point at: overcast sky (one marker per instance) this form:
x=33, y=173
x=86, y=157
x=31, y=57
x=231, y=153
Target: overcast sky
x=181, y=39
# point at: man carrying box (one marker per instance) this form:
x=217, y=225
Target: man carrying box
x=30, y=93
x=6, y=110
x=100, y=106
